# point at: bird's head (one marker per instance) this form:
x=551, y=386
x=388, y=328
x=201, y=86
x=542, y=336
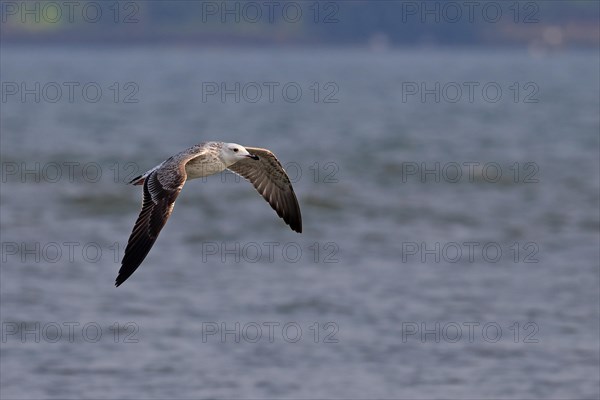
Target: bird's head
x=233, y=152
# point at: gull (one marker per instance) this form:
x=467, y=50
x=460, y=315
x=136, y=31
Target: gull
x=163, y=183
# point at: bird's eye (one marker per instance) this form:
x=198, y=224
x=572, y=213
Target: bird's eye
x=235, y=150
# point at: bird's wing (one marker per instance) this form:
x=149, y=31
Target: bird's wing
x=270, y=180
x=161, y=188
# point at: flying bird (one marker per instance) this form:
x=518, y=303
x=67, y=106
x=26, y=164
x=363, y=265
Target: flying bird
x=163, y=183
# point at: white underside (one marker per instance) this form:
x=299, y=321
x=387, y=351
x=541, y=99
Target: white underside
x=200, y=170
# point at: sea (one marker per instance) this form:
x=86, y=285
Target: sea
x=451, y=224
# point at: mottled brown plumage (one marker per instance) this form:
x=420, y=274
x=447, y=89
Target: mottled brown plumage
x=270, y=180
x=163, y=183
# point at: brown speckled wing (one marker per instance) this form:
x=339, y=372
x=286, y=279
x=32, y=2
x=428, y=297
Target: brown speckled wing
x=270, y=180
x=157, y=206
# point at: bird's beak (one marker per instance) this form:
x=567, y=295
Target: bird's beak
x=252, y=156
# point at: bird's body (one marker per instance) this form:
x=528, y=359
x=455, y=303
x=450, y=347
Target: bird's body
x=199, y=161
x=163, y=183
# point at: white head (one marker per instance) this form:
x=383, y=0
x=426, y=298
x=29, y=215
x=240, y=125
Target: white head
x=233, y=152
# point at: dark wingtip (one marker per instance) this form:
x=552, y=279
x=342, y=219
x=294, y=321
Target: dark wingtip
x=296, y=226
x=295, y=219
x=123, y=275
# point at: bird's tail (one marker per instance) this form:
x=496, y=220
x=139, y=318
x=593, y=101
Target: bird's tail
x=139, y=180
